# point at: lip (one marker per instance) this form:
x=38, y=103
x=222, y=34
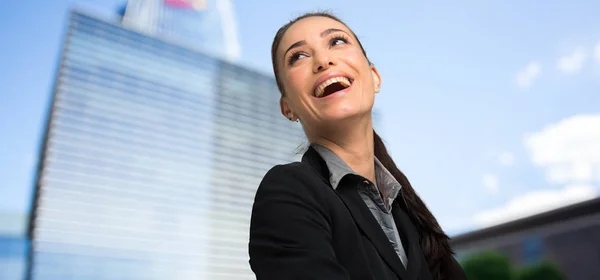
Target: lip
x=328, y=76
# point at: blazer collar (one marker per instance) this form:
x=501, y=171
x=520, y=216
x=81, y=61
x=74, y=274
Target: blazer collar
x=366, y=223
x=317, y=163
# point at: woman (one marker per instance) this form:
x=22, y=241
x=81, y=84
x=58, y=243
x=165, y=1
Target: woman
x=345, y=211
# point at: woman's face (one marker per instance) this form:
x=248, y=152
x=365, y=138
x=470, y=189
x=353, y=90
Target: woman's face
x=325, y=75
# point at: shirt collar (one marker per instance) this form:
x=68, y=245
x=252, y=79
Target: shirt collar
x=338, y=169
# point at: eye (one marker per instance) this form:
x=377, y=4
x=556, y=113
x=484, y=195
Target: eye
x=338, y=40
x=295, y=57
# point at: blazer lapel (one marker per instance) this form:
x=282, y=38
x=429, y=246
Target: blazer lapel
x=366, y=222
x=370, y=227
x=409, y=231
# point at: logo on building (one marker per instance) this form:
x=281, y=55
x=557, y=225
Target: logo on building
x=187, y=4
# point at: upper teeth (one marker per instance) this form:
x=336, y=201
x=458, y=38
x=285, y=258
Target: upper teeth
x=321, y=88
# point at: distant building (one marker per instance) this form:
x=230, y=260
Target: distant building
x=206, y=24
x=13, y=245
x=13, y=256
x=151, y=159
x=570, y=236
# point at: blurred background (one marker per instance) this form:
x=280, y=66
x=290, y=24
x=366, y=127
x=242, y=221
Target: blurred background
x=133, y=134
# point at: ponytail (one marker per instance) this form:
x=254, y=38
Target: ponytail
x=433, y=241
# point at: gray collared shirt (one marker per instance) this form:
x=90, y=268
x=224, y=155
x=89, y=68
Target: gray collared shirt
x=378, y=198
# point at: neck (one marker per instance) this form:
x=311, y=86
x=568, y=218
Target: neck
x=354, y=145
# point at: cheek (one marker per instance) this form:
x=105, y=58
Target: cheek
x=357, y=57
x=295, y=82
x=357, y=60
x=295, y=87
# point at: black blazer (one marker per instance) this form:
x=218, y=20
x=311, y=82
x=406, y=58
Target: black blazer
x=301, y=228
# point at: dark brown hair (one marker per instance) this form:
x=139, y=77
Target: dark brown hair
x=433, y=241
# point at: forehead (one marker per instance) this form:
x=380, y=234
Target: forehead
x=308, y=27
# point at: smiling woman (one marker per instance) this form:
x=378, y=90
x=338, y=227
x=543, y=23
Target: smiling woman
x=345, y=211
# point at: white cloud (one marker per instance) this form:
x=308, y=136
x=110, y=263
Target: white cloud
x=490, y=182
x=573, y=62
x=535, y=202
x=597, y=52
x=527, y=75
x=506, y=158
x=229, y=25
x=569, y=153
x=569, y=150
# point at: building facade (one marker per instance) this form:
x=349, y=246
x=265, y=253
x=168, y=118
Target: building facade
x=152, y=154
x=205, y=24
x=568, y=236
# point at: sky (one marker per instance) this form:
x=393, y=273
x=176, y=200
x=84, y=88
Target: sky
x=491, y=108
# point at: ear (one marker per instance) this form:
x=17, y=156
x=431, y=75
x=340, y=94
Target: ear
x=286, y=111
x=376, y=79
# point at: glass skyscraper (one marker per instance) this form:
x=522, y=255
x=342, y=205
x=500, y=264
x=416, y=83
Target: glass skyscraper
x=151, y=158
x=205, y=24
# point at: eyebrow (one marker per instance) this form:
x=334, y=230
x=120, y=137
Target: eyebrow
x=323, y=34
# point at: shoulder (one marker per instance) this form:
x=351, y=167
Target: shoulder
x=297, y=179
x=295, y=172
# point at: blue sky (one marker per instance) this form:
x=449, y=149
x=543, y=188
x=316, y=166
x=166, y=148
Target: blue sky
x=490, y=107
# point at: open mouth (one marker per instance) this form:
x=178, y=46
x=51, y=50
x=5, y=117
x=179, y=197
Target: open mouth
x=332, y=86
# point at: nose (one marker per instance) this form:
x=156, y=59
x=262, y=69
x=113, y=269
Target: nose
x=322, y=63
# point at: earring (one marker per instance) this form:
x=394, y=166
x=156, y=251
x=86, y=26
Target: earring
x=291, y=118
